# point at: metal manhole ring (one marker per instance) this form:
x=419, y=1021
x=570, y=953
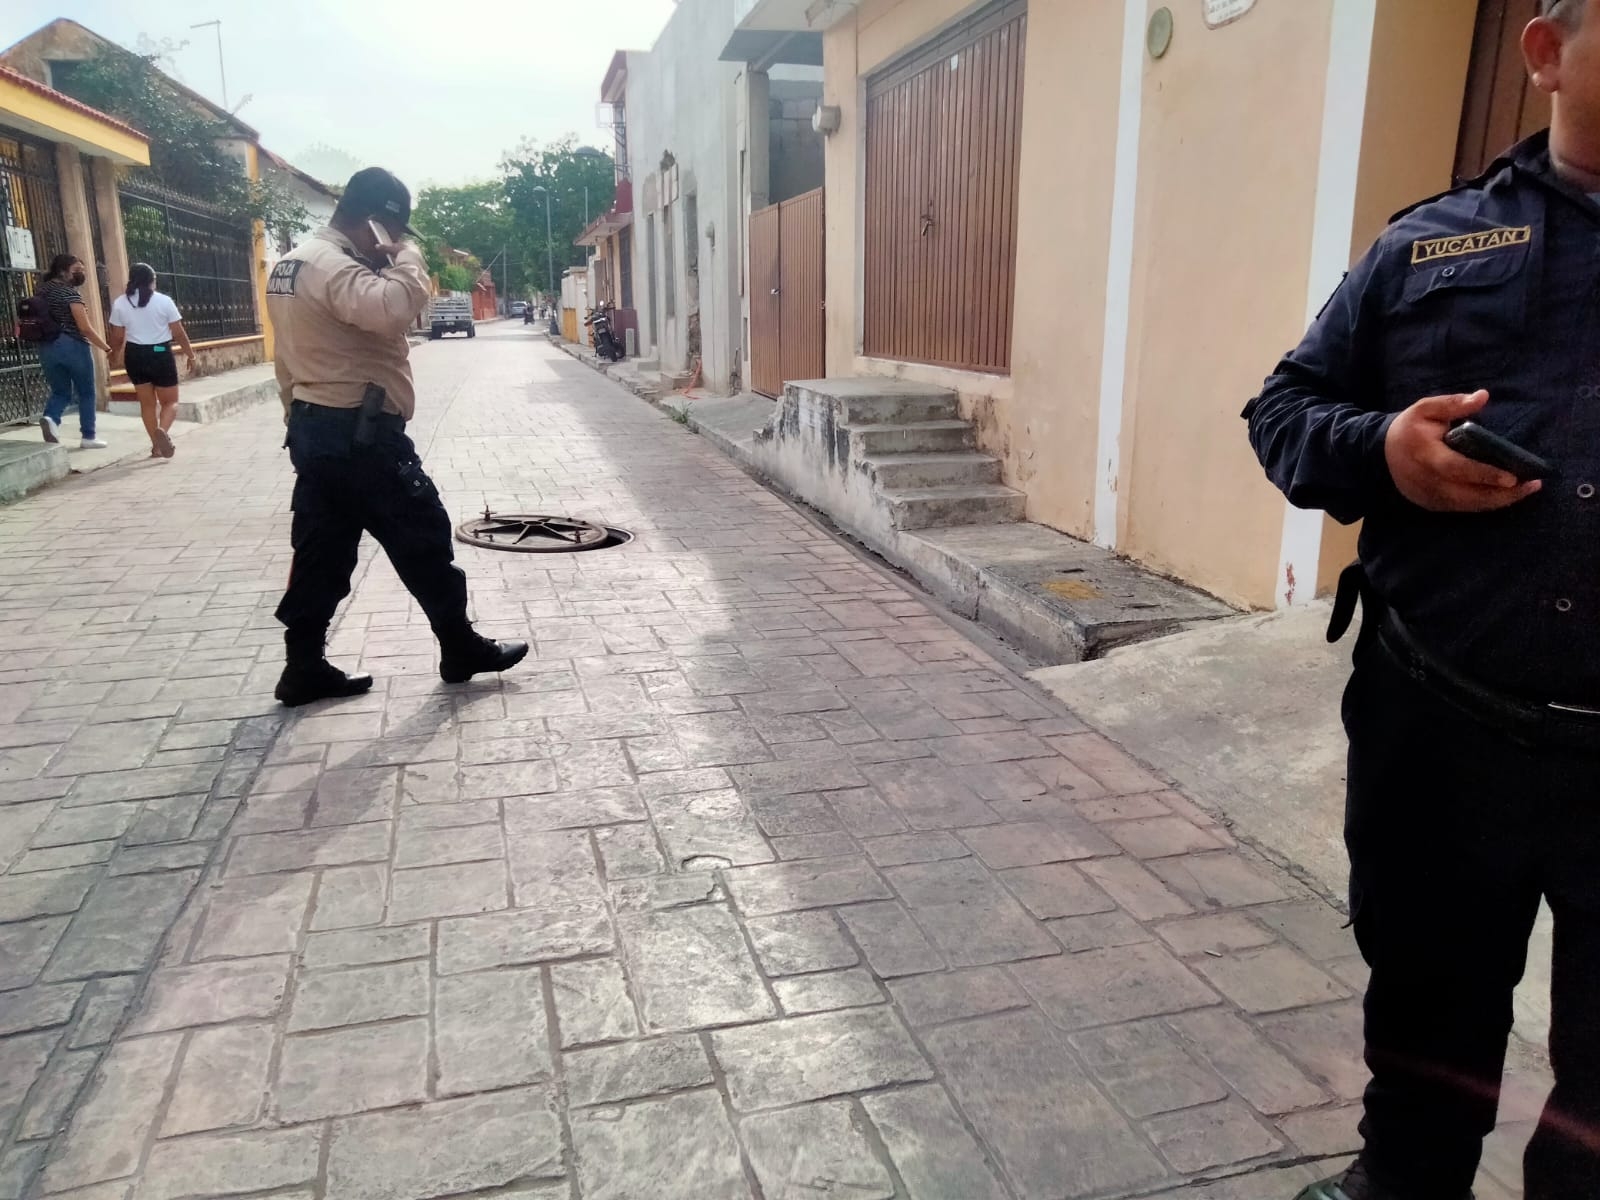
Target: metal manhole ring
x=532, y=533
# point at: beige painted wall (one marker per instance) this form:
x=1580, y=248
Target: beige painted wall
x=1229, y=153
x=1227, y=191
x=1040, y=420
x=1408, y=147
x=1069, y=142
x=1229, y=157
x=842, y=167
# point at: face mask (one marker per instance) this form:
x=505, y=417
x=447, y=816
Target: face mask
x=78, y=278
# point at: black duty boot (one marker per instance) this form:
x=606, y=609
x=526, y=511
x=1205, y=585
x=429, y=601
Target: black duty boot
x=318, y=679
x=1355, y=1184
x=460, y=661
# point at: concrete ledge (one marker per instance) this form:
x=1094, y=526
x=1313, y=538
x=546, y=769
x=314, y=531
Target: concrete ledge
x=211, y=398
x=1049, y=594
x=1057, y=599
x=205, y=409
x=25, y=467
x=647, y=385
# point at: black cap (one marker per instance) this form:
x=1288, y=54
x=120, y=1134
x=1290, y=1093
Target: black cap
x=374, y=192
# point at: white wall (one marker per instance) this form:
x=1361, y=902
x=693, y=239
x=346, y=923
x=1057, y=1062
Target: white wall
x=683, y=101
x=318, y=205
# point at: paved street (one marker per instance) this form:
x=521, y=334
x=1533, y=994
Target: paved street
x=758, y=879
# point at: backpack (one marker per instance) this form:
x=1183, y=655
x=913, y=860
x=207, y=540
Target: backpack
x=34, y=322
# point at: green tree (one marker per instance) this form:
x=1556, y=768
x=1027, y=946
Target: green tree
x=501, y=221
x=474, y=218
x=186, y=154
x=579, y=183
x=456, y=278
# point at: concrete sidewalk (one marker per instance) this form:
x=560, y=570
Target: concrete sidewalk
x=1244, y=714
x=200, y=401
x=762, y=877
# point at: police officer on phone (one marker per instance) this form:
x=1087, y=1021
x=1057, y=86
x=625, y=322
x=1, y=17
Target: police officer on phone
x=1474, y=710
x=341, y=305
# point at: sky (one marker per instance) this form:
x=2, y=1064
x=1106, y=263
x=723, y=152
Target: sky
x=436, y=92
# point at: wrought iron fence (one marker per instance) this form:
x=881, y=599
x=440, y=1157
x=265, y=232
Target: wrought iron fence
x=202, y=257
x=100, y=274
x=30, y=200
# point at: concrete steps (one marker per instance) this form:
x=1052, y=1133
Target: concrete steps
x=920, y=457
x=909, y=437
x=900, y=408
x=884, y=455
x=942, y=515
x=968, y=504
x=899, y=471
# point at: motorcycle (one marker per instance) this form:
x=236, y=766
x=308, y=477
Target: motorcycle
x=606, y=344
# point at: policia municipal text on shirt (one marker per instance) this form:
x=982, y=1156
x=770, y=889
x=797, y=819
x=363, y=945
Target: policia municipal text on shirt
x=341, y=305
x=1474, y=710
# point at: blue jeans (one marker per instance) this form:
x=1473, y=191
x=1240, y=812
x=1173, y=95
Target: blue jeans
x=68, y=368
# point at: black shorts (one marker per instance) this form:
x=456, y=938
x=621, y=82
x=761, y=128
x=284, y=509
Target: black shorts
x=151, y=364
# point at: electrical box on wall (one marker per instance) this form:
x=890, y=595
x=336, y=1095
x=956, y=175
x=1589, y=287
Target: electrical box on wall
x=826, y=119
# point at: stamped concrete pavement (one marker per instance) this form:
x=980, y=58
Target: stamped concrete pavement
x=759, y=879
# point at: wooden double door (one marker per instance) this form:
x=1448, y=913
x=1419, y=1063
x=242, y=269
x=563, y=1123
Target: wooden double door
x=787, y=321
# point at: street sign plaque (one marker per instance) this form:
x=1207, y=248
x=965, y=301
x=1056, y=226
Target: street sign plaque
x=1220, y=12
x=19, y=249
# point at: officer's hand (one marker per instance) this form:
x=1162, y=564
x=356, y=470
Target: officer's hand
x=389, y=249
x=1431, y=475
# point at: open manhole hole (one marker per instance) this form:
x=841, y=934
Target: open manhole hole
x=538, y=533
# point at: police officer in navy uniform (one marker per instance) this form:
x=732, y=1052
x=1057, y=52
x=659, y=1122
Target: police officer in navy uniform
x=341, y=306
x=1473, y=713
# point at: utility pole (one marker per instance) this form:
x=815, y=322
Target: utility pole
x=550, y=255
x=221, y=69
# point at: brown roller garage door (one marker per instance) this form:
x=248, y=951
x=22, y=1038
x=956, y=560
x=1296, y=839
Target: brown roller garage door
x=943, y=146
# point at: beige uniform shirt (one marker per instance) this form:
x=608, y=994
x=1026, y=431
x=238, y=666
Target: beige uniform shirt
x=340, y=325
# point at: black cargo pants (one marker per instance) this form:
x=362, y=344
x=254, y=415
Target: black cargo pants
x=1455, y=832
x=342, y=490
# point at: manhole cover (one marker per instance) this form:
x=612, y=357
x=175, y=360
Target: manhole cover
x=533, y=533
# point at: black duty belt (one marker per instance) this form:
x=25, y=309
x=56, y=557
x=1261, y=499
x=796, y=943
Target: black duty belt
x=326, y=412
x=1534, y=723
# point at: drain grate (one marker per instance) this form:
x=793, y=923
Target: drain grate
x=537, y=533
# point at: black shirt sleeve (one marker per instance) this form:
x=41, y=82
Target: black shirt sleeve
x=60, y=297
x=1319, y=424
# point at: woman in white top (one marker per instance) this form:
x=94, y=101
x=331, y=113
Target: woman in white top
x=144, y=323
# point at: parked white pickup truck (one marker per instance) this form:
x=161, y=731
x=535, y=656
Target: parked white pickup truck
x=451, y=313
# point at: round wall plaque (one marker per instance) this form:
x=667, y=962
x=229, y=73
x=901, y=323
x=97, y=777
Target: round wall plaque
x=1159, y=36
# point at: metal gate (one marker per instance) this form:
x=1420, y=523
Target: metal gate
x=30, y=198
x=1501, y=107
x=943, y=152
x=202, y=257
x=787, y=272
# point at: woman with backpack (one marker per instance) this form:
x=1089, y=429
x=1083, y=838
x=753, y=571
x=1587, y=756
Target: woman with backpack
x=68, y=365
x=144, y=324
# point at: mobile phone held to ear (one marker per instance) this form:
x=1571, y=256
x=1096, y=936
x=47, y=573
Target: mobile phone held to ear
x=382, y=234
x=1477, y=443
